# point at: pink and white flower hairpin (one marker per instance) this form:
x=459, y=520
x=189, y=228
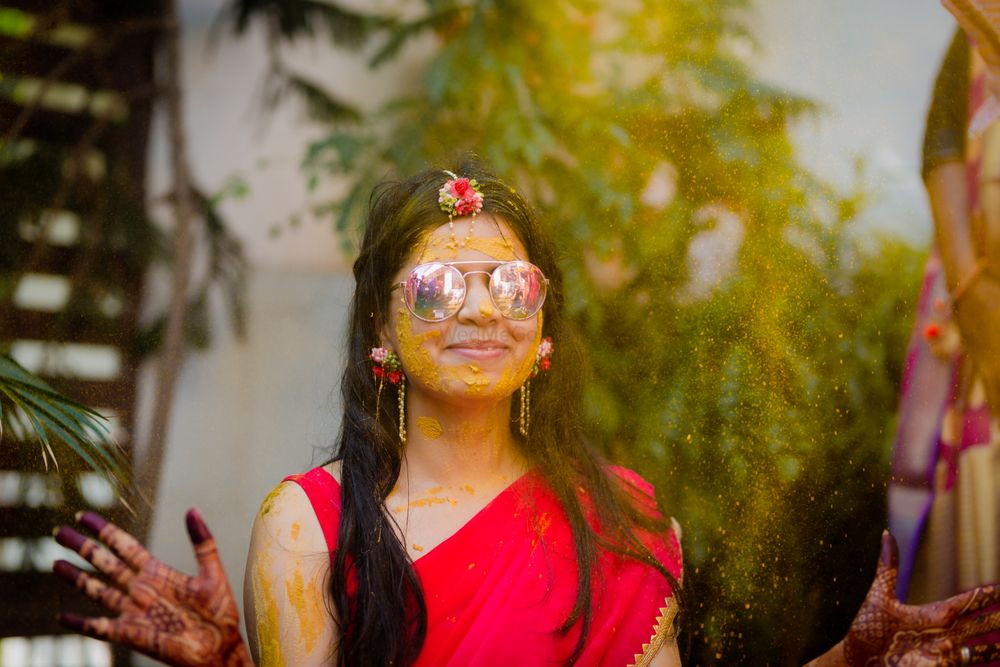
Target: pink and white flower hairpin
x=457, y=197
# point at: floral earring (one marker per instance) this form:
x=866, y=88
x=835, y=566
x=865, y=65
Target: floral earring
x=386, y=366
x=543, y=363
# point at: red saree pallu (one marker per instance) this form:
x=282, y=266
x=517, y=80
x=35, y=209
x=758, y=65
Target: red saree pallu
x=498, y=589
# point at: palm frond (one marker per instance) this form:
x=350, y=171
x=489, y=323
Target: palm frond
x=31, y=409
x=288, y=19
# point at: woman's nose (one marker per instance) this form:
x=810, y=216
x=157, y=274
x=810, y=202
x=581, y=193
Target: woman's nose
x=478, y=307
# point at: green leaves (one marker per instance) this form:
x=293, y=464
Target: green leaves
x=661, y=163
x=31, y=410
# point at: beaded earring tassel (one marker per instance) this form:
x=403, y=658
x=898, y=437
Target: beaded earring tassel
x=402, y=411
x=386, y=366
x=524, y=423
x=543, y=363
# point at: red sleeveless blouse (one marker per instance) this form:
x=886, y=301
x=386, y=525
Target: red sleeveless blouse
x=500, y=586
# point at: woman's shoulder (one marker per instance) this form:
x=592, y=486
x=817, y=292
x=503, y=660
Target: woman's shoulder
x=303, y=510
x=637, y=489
x=665, y=545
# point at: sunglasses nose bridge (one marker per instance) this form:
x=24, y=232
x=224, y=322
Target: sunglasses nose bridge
x=477, y=291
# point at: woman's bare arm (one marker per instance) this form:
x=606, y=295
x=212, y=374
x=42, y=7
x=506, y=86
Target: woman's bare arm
x=286, y=603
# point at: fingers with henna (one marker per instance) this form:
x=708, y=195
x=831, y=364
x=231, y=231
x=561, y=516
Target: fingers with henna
x=984, y=653
x=94, y=588
x=98, y=628
x=974, y=600
x=205, y=550
x=97, y=555
x=127, y=547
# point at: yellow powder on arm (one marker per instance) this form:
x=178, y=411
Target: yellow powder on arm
x=268, y=635
x=287, y=568
x=308, y=612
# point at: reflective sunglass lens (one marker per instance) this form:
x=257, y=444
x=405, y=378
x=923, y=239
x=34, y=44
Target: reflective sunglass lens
x=434, y=292
x=518, y=289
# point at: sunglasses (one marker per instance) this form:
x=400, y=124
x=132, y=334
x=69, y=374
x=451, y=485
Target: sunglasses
x=436, y=291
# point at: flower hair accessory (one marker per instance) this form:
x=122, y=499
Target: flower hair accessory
x=386, y=366
x=457, y=197
x=543, y=362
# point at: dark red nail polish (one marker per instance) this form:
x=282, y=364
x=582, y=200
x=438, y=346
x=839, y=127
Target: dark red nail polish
x=71, y=621
x=196, y=528
x=69, y=538
x=92, y=522
x=66, y=570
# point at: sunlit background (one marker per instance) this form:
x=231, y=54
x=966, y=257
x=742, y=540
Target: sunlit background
x=776, y=505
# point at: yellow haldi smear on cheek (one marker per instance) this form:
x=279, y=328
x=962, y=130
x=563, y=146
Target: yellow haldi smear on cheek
x=416, y=360
x=514, y=376
x=430, y=427
x=309, y=615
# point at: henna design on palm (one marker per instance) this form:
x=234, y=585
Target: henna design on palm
x=887, y=632
x=181, y=620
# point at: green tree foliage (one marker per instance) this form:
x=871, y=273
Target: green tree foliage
x=757, y=391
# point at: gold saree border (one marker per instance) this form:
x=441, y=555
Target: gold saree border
x=662, y=630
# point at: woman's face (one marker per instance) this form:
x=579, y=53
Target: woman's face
x=476, y=354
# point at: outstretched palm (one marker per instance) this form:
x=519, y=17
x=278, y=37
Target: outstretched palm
x=173, y=617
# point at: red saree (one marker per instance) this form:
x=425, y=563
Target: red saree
x=497, y=589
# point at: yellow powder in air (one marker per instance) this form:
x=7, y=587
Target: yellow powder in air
x=430, y=427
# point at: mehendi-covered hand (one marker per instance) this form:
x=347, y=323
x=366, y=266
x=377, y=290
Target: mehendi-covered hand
x=888, y=632
x=168, y=615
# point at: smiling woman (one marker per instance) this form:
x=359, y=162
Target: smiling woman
x=455, y=525
x=465, y=525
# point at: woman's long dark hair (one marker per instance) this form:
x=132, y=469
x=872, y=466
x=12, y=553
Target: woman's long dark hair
x=384, y=622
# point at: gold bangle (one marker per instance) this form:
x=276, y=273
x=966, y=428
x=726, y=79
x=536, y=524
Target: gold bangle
x=969, y=280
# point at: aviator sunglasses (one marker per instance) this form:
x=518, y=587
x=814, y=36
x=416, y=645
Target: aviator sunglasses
x=434, y=292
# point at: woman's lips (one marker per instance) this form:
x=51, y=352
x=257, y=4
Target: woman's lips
x=480, y=351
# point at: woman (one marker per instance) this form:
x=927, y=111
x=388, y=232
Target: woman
x=458, y=524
